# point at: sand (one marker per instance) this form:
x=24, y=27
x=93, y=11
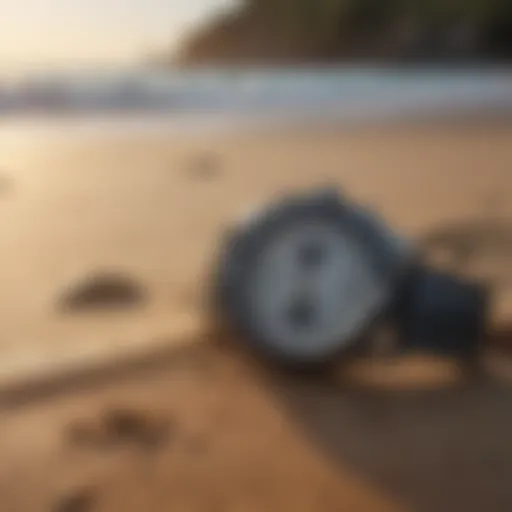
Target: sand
x=153, y=208
x=144, y=206
x=208, y=429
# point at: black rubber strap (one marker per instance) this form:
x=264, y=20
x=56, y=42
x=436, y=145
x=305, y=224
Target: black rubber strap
x=441, y=313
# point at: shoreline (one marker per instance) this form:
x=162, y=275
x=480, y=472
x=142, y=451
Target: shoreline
x=200, y=124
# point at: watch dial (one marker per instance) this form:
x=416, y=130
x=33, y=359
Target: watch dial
x=312, y=289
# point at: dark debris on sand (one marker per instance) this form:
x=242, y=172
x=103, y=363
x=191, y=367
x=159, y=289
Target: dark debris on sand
x=102, y=291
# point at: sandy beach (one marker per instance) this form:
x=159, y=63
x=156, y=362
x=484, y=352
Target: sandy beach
x=152, y=207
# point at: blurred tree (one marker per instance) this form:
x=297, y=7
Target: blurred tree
x=329, y=29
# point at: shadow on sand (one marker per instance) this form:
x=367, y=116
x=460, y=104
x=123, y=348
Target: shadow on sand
x=443, y=450
x=440, y=447
x=437, y=442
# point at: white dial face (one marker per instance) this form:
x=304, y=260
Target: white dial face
x=313, y=289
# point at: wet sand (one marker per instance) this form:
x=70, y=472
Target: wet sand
x=237, y=437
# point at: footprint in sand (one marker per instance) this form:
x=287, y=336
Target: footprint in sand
x=101, y=291
x=120, y=427
x=205, y=166
x=78, y=501
x=480, y=248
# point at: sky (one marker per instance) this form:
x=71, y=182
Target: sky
x=70, y=33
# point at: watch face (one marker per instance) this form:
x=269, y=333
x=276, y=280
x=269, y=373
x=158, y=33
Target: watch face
x=312, y=289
